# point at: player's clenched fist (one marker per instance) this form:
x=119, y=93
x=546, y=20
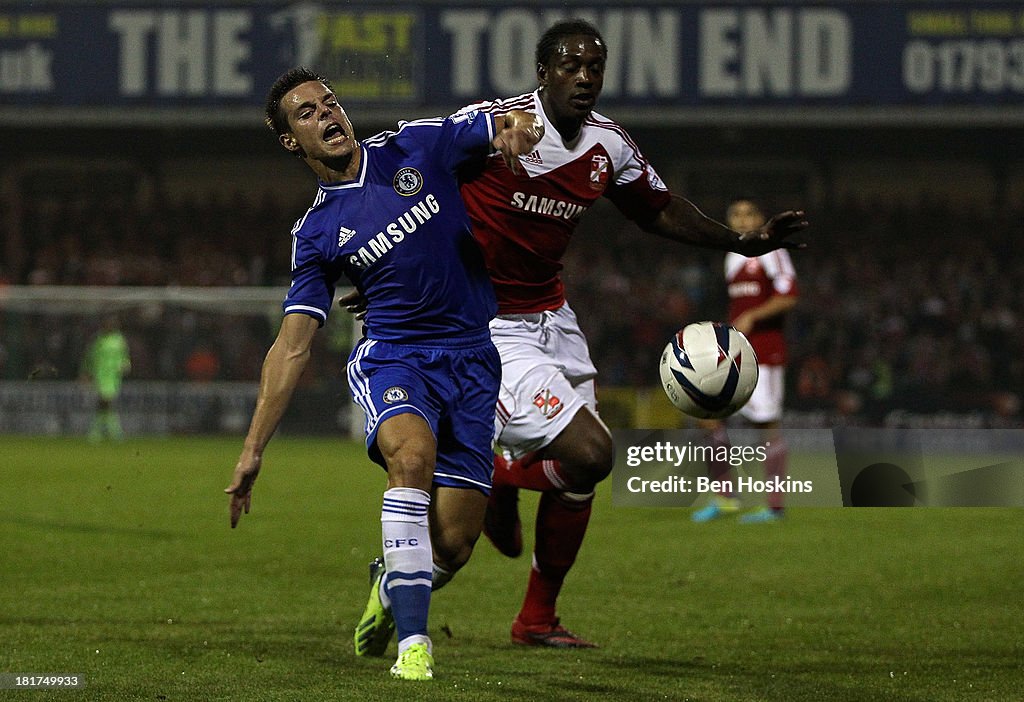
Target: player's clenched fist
x=518, y=133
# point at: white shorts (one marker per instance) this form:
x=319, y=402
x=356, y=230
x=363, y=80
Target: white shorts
x=765, y=405
x=546, y=378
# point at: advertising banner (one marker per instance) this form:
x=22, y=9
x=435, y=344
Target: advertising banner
x=844, y=55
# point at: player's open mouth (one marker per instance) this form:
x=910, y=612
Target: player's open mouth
x=334, y=134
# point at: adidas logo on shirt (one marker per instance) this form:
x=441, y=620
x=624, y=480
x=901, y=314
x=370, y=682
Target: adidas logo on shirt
x=532, y=157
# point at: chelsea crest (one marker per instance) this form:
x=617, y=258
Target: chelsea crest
x=395, y=394
x=408, y=181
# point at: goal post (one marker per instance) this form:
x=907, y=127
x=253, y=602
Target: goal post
x=196, y=354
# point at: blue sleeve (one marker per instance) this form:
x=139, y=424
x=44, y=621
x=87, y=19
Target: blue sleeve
x=455, y=140
x=312, y=288
x=470, y=135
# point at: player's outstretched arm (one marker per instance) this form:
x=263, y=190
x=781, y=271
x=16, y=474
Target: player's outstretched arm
x=682, y=221
x=282, y=369
x=518, y=132
x=774, y=234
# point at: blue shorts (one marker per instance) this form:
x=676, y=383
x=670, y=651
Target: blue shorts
x=454, y=388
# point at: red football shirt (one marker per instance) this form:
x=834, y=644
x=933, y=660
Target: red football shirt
x=524, y=223
x=751, y=282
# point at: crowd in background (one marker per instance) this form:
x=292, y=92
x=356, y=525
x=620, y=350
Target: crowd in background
x=113, y=240
x=913, y=307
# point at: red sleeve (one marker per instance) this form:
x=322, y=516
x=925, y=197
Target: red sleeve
x=638, y=200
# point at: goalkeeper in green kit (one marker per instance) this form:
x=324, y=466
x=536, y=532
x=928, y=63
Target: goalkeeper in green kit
x=106, y=362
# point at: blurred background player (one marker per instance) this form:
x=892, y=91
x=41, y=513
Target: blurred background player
x=762, y=289
x=548, y=432
x=388, y=217
x=106, y=362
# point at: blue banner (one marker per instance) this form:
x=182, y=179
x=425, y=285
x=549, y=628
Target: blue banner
x=669, y=55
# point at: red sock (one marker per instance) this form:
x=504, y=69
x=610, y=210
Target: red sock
x=530, y=472
x=719, y=469
x=561, y=526
x=775, y=465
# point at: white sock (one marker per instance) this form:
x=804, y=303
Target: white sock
x=407, y=557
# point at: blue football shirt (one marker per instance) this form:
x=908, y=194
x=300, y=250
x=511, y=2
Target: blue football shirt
x=400, y=233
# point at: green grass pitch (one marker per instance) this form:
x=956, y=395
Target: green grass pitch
x=119, y=565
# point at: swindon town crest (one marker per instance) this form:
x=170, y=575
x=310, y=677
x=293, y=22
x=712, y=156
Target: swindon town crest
x=599, y=172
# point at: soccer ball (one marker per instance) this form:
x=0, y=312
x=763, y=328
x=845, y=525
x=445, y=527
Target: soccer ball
x=708, y=370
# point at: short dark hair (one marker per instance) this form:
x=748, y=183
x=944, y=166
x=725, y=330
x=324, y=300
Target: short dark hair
x=273, y=118
x=559, y=31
